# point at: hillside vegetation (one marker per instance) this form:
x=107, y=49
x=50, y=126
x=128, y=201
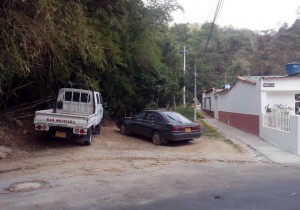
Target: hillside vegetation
x=125, y=49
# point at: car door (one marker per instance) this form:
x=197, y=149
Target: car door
x=149, y=124
x=134, y=126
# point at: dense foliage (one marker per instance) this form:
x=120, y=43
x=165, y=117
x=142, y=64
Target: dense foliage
x=240, y=52
x=126, y=50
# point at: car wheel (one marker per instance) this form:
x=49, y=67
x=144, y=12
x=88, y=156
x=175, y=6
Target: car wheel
x=123, y=130
x=157, y=138
x=87, y=139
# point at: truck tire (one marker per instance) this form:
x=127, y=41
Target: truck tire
x=87, y=139
x=97, y=129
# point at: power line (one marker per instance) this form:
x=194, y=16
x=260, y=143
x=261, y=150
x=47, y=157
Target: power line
x=216, y=15
x=208, y=37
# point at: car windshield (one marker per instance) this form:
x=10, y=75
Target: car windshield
x=175, y=117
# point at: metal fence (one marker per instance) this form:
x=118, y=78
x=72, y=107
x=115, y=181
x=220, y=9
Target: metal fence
x=277, y=120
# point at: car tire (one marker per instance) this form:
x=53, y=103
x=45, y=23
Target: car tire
x=87, y=139
x=157, y=138
x=123, y=129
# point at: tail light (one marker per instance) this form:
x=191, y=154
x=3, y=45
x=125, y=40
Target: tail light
x=196, y=128
x=80, y=131
x=38, y=127
x=175, y=128
x=41, y=127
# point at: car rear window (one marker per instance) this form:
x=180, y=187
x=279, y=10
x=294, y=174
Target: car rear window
x=174, y=117
x=77, y=97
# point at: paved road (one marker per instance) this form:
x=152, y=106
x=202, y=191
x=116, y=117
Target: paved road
x=177, y=185
x=223, y=186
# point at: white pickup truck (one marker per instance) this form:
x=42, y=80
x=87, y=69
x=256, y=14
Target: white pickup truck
x=77, y=112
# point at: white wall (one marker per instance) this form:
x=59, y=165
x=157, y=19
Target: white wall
x=283, y=92
x=281, y=84
x=286, y=98
x=242, y=98
x=287, y=140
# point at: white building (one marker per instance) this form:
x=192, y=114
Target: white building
x=266, y=106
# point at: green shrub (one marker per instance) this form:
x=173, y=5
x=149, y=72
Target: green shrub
x=188, y=112
x=200, y=115
x=210, y=131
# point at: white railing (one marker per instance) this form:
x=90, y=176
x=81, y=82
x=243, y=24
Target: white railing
x=277, y=120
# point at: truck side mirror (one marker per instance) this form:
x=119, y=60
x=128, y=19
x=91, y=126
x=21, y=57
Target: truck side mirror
x=105, y=105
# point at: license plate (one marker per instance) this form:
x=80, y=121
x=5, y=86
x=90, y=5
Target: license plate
x=187, y=130
x=60, y=134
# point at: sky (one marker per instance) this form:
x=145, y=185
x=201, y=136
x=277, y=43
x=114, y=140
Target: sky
x=250, y=14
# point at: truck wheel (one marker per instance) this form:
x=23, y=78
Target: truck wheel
x=87, y=139
x=157, y=138
x=97, y=129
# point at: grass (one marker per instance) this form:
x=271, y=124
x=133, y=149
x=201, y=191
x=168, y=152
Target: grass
x=188, y=112
x=237, y=147
x=207, y=130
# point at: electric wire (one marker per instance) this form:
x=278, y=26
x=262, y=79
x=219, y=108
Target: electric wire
x=218, y=10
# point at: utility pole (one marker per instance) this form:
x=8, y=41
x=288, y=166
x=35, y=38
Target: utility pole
x=184, y=58
x=195, y=91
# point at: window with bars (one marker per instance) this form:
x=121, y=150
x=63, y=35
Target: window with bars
x=297, y=104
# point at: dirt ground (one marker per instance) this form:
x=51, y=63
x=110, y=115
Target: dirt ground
x=65, y=170
x=26, y=143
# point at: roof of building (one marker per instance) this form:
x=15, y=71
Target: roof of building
x=214, y=90
x=248, y=79
x=254, y=79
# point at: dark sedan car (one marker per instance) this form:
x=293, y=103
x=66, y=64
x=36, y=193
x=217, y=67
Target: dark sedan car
x=161, y=126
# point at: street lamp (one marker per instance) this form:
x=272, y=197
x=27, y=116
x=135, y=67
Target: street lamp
x=184, y=59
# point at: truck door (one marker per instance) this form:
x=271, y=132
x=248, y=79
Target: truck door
x=99, y=107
